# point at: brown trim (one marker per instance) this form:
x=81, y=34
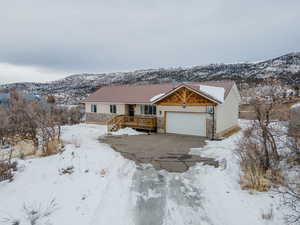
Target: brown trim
x=183, y=95
x=119, y=103
x=200, y=93
x=194, y=104
x=186, y=112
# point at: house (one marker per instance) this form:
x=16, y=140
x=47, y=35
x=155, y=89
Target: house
x=206, y=109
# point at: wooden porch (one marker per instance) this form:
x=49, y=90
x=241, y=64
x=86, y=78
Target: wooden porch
x=136, y=122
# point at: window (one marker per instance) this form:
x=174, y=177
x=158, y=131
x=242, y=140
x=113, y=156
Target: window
x=93, y=108
x=148, y=109
x=113, y=109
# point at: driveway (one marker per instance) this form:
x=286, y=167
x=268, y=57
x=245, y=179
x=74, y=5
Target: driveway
x=163, y=151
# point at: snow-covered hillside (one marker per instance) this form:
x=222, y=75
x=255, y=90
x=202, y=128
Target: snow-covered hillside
x=105, y=188
x=72, y=89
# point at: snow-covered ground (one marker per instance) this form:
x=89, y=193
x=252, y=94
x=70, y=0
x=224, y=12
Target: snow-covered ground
x=106, y=188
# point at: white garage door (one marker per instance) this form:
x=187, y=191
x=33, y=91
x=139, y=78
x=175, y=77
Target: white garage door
x=186, y=123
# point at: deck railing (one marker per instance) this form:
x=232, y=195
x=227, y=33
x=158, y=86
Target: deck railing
x=137, y=122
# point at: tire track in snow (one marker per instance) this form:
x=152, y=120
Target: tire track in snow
x=114, y=206
x=150, y=188
x=167, y=198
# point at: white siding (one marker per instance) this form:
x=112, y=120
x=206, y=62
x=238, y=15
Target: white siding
x=105, y=107
x=137, y=110
x=227, y=114
x=121, y=108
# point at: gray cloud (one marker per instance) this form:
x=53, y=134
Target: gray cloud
x=10, y=73
x=98, y=35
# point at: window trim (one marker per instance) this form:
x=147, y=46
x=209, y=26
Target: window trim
x=94, y=108
x=113, y=108
x=149, y=110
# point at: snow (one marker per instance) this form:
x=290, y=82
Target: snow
x=297, y=105
x=226, y=201
x=127, y=131
x=216, y=92
x=73, y=89
x=106, y=188
x=80, y=196
x=156, y=97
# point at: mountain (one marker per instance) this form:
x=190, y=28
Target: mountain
x=72, y=89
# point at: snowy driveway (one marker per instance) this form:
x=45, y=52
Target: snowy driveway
x=163, y=151
x=106, y=188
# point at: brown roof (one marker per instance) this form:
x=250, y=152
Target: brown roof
x=143, y=93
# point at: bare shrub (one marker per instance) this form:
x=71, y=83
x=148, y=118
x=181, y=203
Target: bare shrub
x=69, y=116
x=33, y=121
x=10, y=221
x=7, y=167
x=4, y=125
x=291, y=200
x=53, y=147
x=6, y=170
x=254, y=178
x=252, y=157
x=258, y=149
x=291, y=191
x=268, y=215
x=75, y=115
x=34, y=214
x=293, y=144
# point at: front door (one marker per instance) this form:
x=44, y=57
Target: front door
x=131, y=110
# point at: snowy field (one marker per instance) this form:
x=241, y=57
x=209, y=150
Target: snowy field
x=103, y=188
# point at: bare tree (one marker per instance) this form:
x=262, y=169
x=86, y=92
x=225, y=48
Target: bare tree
x=258, y=148
x=266, y=110
x=4, y=125
x=35, y=121
x=22, y=119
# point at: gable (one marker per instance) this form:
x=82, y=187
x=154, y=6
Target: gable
x=184, y=96
x=236, y=92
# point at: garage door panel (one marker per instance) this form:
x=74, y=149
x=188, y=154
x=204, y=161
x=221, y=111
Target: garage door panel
x=186, y=123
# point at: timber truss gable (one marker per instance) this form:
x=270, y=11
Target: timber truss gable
x=185, y=97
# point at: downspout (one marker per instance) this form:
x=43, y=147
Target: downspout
x=213, y=123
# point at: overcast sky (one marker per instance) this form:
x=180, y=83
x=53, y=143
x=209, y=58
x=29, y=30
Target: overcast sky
x=44, y=40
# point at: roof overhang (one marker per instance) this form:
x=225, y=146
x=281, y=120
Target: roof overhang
x=124, y=103
x=191, y=89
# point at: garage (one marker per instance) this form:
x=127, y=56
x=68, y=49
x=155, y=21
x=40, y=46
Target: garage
x=186, y=123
